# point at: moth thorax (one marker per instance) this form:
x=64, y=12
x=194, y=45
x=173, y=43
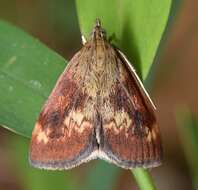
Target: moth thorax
x=98, y=66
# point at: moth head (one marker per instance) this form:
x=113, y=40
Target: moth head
x=98, y=32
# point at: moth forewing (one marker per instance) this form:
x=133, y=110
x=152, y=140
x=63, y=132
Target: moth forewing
x=136, y=77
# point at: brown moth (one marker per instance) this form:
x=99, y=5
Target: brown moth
x=97, y=109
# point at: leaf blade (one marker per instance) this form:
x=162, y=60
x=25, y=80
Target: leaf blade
x=28, y=71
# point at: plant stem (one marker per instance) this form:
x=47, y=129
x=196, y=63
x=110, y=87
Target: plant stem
x=143, y=179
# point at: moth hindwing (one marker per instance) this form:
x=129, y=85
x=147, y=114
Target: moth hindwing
x=97, y=109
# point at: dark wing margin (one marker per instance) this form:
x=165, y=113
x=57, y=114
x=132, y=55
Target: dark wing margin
x=64, y=136
x=130, y=132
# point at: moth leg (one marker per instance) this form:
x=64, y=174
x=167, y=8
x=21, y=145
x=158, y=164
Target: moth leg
x=112, y=37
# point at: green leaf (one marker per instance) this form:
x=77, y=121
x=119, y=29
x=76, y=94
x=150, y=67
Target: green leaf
x=28, y=71
x=138, y=25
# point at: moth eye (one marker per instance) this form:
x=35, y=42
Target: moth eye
x=98, y=32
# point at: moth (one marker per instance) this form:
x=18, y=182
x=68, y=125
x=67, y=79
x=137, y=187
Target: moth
x=97, y=109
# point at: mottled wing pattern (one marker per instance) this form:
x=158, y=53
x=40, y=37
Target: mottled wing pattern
x=130, y=132
x=63, y=136
x=98, y=109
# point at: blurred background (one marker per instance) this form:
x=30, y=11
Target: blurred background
x=174, y=91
